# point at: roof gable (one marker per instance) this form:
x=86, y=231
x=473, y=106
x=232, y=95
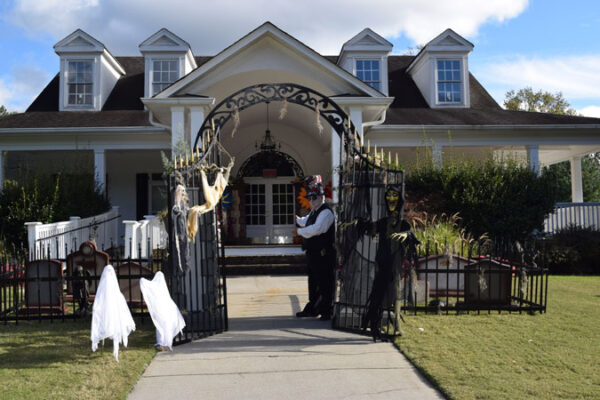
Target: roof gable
x=79, y=42
x=164, y=40
x=367, y=40
x=449, y=41
x=267, y=31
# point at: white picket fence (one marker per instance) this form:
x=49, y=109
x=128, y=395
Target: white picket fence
x=584, y=215
x=57, y=240
x=141, y=237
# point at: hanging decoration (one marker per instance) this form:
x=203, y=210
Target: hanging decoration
x=236, y=121
x=318, y=119
x=284, y=109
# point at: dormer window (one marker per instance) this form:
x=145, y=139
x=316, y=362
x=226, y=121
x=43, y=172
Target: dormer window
x=368, y=72
x=80, y=83
x=449, y=82
x=164, y=73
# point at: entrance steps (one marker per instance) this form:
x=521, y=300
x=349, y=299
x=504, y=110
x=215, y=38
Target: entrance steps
x=264, y=260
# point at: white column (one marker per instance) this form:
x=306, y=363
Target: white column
x=356, y=118
x=533, y=158
x=1, y=170
x=131, y=239
x=100, y=169
x=196, y=120
x=335, y=163
x=576, y=180
x=177, y=127
x=436, y=156
x=32, y=235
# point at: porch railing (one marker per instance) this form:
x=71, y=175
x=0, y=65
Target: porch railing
x=141, y=237
x=584, y=215
x=57, y=239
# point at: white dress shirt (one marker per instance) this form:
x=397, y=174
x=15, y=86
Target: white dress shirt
x=324, y=221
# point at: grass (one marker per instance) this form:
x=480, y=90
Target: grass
x=55, y=361
x=511, y=356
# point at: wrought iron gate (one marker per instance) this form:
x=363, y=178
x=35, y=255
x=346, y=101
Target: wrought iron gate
x=196, y=280
x=364, y=179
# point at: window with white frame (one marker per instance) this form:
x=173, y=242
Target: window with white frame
x=80, y=83
x=449, y=81
x=164, y=72
x=368, y=72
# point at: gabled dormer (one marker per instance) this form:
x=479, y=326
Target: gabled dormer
x=441, y=71
x=88, y=72
x=365, y=56
x=167, y=58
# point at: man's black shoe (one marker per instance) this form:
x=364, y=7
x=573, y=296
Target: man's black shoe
x=305, y=313
x=325, y=317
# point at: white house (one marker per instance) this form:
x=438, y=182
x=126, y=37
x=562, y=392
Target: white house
x=114, y=115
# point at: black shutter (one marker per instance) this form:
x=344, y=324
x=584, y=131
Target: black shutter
x=141, y=195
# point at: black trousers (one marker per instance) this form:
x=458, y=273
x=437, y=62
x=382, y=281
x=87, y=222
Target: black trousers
x=321, y=279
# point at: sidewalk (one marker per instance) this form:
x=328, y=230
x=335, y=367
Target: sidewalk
x=270, y=354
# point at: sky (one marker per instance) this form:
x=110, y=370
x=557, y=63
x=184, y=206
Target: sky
x=550, y=45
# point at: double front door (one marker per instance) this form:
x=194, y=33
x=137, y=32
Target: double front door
x=269, y=207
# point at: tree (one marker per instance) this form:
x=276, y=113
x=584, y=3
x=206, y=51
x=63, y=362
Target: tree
x=3, y=112
x=528, y=100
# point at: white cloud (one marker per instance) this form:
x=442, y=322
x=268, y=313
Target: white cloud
x=210, y=26
x=590, y=111
x=577, y=77
x=20, y=88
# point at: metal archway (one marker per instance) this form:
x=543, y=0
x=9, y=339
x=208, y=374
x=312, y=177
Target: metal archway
x=362, y=183
x=267, y=92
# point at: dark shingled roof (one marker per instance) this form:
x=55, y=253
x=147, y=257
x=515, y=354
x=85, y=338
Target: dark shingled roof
x=124, y=108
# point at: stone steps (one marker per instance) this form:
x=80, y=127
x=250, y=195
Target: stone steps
x=265, y=265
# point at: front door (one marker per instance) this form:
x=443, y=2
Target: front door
x=270, y=210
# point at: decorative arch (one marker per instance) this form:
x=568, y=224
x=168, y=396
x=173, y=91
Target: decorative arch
x=291, y=92
x=285, y=164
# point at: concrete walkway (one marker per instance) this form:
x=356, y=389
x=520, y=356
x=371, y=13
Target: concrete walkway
x=269, y=354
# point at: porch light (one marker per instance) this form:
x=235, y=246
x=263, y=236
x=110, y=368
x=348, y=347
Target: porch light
x=268, y=143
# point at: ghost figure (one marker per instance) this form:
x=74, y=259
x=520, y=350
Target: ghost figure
x=164, y=313
x=111, y=316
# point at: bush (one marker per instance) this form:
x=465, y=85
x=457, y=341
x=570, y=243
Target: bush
x=46, y=199
x=573, y=251
x=444, y=235
x=503, y=199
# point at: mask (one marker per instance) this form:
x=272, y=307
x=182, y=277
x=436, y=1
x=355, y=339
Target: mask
x=392, y=200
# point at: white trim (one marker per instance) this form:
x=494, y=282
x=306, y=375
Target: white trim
x=92, y=129
x=180, y=101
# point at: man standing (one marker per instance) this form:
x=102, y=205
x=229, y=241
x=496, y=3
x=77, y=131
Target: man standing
x=318, y=232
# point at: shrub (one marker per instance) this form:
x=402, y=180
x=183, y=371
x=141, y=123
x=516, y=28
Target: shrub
x=573, y=251
x=443, y=234
x=46, y=199
x=502, y=198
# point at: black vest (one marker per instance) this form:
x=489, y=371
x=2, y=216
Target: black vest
x=324, y=240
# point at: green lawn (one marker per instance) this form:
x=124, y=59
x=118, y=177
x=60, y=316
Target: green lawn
x=510, y=356
x=55, y=361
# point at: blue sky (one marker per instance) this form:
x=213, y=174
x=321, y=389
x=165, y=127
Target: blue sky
x=546, y=44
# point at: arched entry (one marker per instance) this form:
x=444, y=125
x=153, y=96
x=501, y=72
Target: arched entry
x=361, y=182
x=268, y=92
x=269, y=196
